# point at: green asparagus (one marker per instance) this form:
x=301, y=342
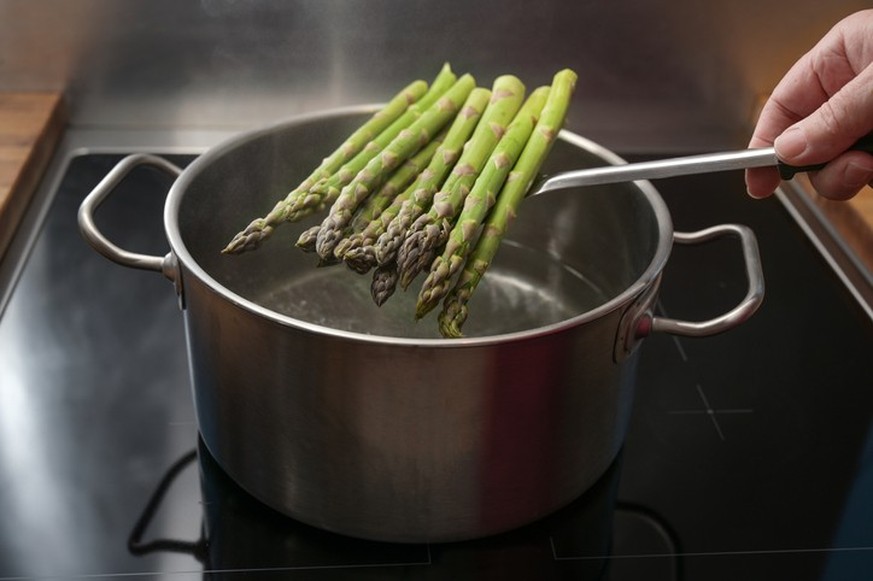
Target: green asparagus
x=407, y=142
x=376, y=204
x=454, y=311
x=432, y=181
x=306, y=240
x=435, y=174
x=261, y=228
x=326, y=190
x=384, y=282
x=358, y=251
x=430, y=229
x=478, y=202
x=402, y=177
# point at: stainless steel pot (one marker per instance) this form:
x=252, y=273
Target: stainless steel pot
x=358, y=420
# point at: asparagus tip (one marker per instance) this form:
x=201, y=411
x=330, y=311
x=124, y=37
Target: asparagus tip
x=361, y=259
x=384, y=283
x=306, y=240
x=247, y=240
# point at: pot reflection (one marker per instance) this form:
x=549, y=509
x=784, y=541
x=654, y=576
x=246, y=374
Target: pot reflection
x=240, y=535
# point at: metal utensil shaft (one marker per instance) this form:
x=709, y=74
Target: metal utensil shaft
x=664, y=168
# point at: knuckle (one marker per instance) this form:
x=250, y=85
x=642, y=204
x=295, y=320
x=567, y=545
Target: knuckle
x=832, y=116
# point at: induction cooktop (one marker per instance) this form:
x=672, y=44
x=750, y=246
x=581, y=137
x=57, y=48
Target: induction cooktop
x=749, y=454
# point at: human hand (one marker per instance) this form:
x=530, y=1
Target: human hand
x=819, y=109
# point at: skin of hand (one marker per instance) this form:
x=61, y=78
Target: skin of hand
x=819, y=109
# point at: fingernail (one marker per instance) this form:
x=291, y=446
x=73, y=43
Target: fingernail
x=856, y=175
x=754, y=195
x=791, y=144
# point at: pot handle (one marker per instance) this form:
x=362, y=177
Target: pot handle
x=745, y=308
x=638, y=321
x=166, y=265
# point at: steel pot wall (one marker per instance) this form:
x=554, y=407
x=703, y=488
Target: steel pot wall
x=360, y=421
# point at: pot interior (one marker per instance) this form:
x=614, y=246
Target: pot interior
x=567, y=254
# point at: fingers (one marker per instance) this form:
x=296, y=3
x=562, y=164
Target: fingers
x=825, y=135
x=819, y=109
x=822, y=136
x=797, y=94
x=833, y=127
x=840, y=179
x=844, y=176
x=762, y=181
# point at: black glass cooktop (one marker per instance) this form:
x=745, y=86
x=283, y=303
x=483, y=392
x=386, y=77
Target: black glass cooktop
x=749, y=455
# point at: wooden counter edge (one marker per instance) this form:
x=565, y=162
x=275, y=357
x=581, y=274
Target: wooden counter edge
x=32, y=126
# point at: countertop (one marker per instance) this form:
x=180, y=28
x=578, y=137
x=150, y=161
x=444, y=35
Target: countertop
x=31, y=125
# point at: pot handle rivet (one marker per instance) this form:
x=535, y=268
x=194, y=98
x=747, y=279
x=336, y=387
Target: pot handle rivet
x=644, y=327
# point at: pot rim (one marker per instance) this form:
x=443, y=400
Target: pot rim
x=177, y=192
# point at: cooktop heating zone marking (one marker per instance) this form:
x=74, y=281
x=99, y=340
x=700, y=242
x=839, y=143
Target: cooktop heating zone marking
x=712, y=412
x=707, y=408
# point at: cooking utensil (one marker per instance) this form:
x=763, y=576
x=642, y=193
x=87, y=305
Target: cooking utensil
x=356, y=419
x=678, y=166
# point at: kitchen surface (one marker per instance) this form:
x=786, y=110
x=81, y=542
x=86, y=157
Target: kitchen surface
x=749, y=454
x=32, y=124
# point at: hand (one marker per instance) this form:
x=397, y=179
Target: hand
x=819, y=109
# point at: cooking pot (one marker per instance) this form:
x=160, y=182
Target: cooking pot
x=357, y=419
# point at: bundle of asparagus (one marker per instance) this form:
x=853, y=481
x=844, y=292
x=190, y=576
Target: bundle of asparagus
x=432, y=180
x=517, y=184
x=417, y=241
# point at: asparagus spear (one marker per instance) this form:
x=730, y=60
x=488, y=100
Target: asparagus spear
x=306, y=240
x=358, y=251
x=435, y=174
x=402, y=177
x=259, y=229
x=429, y=230
x=376, y=204
x=401, y=147
x=362, y=255
x=384, y=282
x=454, y=311
x=478, y=202
x=327, y=189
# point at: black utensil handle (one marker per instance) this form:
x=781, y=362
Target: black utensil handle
x=786, y=172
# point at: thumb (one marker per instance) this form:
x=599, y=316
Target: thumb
x=832, y=128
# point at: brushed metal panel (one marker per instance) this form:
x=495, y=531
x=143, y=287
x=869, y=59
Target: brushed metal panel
x=675, y=74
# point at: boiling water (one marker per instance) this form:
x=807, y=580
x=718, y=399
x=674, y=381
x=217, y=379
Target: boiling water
x=524, y=289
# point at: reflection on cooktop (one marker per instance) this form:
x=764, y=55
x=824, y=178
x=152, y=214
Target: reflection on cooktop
x=239, y=534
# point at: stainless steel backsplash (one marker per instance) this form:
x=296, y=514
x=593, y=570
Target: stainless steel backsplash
x=663, y=74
